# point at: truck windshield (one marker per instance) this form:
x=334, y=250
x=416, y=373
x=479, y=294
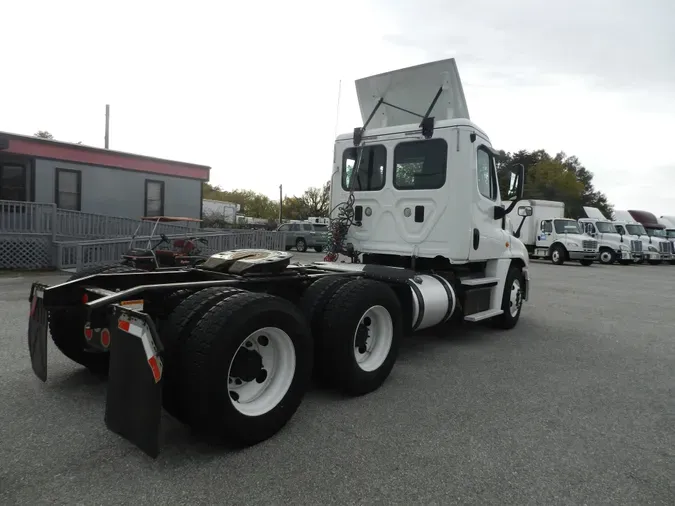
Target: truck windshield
x=605, y=227
x=656, y=232
x=636, y=229
x=670, y=233
x=566, y=227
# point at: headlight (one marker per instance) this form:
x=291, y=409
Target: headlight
x=652, y=248
x=570, y=243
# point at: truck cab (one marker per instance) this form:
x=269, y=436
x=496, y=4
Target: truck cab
x=416, y=188
x=651, y=233
x=547, y=234
x=635, y=231
x=613, y=246
x=669, y=223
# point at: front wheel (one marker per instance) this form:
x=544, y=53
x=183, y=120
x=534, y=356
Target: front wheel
x=301, y=245
x=558, y=254
x=607, y=256
x=586, y=262
x=512, y=300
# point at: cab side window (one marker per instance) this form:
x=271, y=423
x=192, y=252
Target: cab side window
x=485, y=173
x=547, y=226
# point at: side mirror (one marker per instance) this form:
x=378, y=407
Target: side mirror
x=515, y=193
x=525, y=211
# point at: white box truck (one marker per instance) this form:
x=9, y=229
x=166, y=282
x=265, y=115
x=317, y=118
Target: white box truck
x=613, y=246
x=547, y=234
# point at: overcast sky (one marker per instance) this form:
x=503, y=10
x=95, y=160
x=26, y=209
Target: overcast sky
x=252, y=90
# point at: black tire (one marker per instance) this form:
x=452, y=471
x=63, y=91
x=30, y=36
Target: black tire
x=66, y=327
x=172, y=300
x=507, y=320
x=301, y=245
x=174, y=331
x=342, y=318
x=318, y=249
x=558, y=254
x=654, y=262
x=313, y=305
x=607, y=256
x=209, y=351
x=586, y=262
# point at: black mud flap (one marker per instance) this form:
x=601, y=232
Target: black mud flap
x=37, y=330
x=134, y=401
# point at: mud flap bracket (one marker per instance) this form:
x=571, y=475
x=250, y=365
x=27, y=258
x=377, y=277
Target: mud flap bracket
x=134, y=399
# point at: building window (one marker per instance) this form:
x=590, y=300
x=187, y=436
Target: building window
x=420, y=165
x=13, y=182
x=371, y=169
x=69, y=189
x=154, y=198
x=485, y=173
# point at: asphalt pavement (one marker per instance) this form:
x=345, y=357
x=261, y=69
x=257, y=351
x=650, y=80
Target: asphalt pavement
x=574, y=406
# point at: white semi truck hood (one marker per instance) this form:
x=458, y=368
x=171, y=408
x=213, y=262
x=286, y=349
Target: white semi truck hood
x=574, y=240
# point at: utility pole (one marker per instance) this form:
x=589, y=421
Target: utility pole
x=281, y=202
x=107, y=126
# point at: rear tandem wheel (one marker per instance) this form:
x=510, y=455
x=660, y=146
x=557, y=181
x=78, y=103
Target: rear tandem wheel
x=66, y=327
x=361, y=333
x=245, y=368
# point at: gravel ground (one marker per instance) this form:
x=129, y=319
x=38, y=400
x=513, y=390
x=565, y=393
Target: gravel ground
x=573, y=406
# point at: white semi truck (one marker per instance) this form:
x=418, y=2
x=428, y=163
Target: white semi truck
x=547, y=234
x=656, y=249
x=613, y=246
x=669, y=223
x=229, y=347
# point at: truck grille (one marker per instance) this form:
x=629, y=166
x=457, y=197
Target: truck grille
x=636, y=246
x=589, y=245
x=664, y=247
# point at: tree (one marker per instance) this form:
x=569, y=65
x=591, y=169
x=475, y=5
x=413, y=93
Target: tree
x=316, y=200
x=558, y=178
x=43, y=134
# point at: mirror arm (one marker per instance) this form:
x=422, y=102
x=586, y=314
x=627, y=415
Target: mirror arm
x=510, y=208
x=517, y=232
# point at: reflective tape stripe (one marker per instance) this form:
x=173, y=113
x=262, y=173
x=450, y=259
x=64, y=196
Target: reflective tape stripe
x=139, y=329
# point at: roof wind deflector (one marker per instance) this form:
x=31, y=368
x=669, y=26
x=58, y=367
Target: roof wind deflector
x=391, y=98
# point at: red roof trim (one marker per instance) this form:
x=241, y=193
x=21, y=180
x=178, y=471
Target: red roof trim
x=41, y=148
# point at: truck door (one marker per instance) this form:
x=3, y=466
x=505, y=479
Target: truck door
x=488, y=238
x=545, y=235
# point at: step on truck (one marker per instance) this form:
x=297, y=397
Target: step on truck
x=612, y=246
x=547, y=234
x=228, y=347
x=644, y=225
